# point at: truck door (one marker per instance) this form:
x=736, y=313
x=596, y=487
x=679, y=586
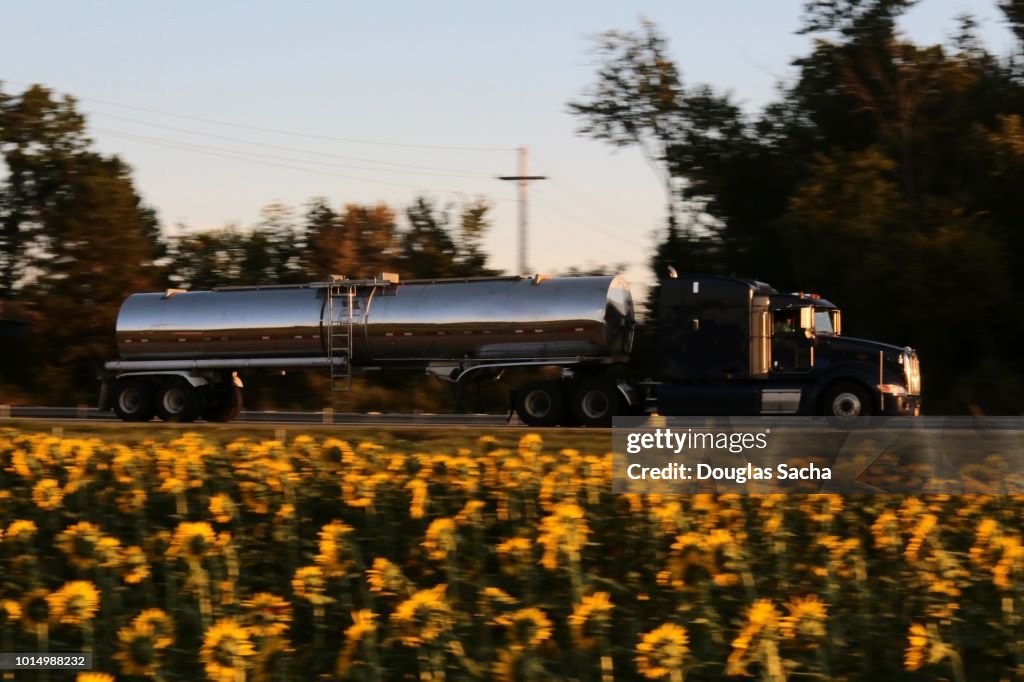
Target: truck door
x=793, y=340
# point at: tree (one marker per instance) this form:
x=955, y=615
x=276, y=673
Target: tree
x=884, y=175
x=76, y=239
x=438, y=244
x=40, y=137
x=636, y=100
x=428, y=249
x=359, y=242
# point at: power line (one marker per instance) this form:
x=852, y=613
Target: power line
x=240, y=156
x=588, y=201
x=291, y=149
x=278, y=131
x=575, y=224
x=590, y=226
x=147, y=138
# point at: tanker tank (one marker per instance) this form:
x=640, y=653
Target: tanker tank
x=499, y=319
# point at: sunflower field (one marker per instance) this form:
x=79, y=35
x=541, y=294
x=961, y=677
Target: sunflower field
x=328, y=559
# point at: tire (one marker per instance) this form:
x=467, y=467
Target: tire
x=179, y=401
x=133, y=400
x=595, y=403
x=845, y=402
x=540, y=403
x=223, y=404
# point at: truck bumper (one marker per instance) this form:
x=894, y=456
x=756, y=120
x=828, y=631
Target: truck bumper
x=902, y=406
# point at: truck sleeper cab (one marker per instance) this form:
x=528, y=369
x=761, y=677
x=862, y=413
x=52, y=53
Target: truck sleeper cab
x=729, y=346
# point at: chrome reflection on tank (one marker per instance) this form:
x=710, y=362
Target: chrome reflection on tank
x=488, y=319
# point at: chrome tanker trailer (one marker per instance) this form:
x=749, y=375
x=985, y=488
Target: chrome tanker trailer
x=723, y=346
x=181, y=351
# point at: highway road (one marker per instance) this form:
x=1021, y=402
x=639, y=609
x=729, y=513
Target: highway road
x=83, y=413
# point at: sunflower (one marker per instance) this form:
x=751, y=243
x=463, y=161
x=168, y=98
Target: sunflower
x=267, y=615
x=137, y=650
x=35, y=610
x=806, y=619
x=334, y=451
x=528, y=627
x=335, y=552
x=488, y=443
x=309, y=584
x=471, y=513
x=47, y=494
x=662, y=651
x=386, y=578
x=10, y=611
x=762, y=621
x=162, y=624
x=590, y=617
x=440, y=539
x=563, y=532
x=521, y=547
x=192, y=540
x=424, y=616
x=222, y=508
x=79, y=543
x=135, y=565
x=108, y=552
x=419, y=497
x=363, y=623
x=226, y=646
x=530, y=445
x=94, y=677
x=497, y=598
x=75, y=603
x=21, y=531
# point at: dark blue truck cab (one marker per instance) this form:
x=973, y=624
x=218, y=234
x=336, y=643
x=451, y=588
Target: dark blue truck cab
x=730, y=346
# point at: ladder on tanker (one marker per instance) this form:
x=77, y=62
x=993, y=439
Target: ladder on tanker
x=341, y=324
x=339, y=334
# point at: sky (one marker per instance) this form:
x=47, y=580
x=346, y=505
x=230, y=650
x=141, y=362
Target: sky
x=223, y=108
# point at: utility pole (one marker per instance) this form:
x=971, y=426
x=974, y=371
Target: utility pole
x=523, y=179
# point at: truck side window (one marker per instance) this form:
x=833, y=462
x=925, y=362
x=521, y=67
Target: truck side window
x=785, y=322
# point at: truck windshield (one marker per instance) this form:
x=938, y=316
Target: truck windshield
x=826, y=320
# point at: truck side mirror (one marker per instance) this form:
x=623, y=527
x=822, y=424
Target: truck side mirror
x=807, y=318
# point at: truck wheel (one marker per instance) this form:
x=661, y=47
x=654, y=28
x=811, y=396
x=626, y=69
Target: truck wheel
x=595, y=403
x=846, y=401
x=179, y=401
x=223, y=404
x=540, y=403
x=133, y=400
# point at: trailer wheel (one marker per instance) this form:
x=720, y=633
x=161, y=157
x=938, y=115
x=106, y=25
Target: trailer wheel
x=223, y=404
x=133, y=400
x=846, y=402
x=540, y=403
x=595, y=402
x=179, y=401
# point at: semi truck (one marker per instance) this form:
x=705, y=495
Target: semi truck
x=722, y=346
